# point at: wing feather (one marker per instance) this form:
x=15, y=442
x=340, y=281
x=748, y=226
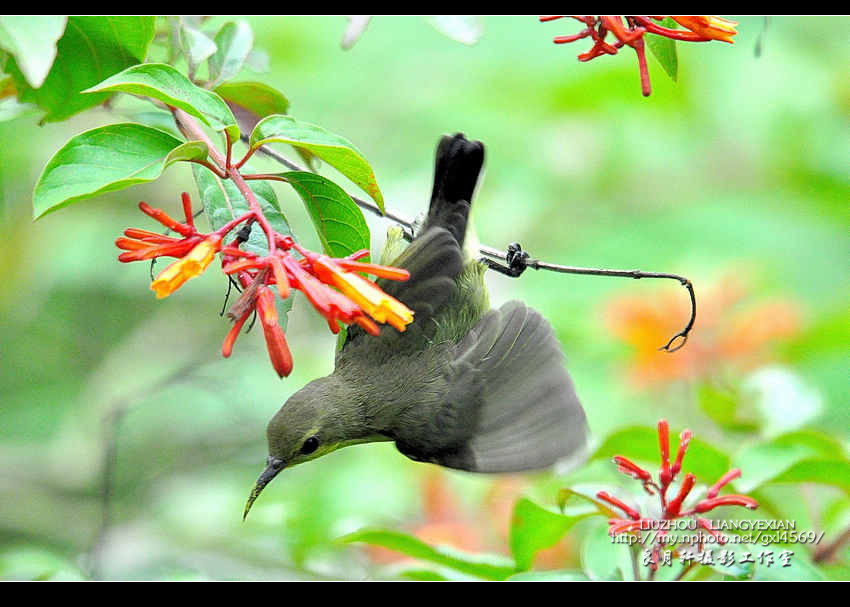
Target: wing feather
x=529, y=415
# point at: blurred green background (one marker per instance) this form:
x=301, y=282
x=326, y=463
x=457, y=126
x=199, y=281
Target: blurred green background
x=128, y=446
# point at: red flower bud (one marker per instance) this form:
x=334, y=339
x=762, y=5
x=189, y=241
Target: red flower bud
x=726, y=500
x=227, y=346
x=631, y=512
x=675, y=505
x=618, y=526
x=706, y=524
x=665, y=475
x=684, y=440
x=729, y=476
x=629, y=468
x=275, y=341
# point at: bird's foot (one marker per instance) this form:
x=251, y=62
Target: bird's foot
x=516, y=258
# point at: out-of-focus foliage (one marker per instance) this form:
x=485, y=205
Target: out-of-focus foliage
x=736, y=176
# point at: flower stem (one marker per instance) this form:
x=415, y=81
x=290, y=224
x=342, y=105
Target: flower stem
x=193, y=131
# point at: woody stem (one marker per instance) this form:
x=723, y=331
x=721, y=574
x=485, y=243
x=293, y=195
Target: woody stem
x=193, y=131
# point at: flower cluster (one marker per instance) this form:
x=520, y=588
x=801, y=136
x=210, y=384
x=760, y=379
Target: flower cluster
x=700, y=28
x=353, y=298
x=674, y=508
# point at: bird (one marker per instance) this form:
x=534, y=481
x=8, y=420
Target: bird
x=464, y=386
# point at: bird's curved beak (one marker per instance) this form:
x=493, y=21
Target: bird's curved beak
x=275, y=465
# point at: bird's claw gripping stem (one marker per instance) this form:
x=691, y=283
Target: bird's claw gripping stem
x=516, y=258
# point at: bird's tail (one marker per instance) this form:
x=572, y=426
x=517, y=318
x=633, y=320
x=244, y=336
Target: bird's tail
x=458, y=165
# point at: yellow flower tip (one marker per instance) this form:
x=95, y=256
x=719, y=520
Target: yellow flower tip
x=367, y=295
x=399, y=324
x=169, y=280
x=709, y=26
x=204, y=252
x=193, y=264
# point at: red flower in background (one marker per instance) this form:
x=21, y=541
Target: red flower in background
x=333, y=286
x=671, y=509
x=629, y=30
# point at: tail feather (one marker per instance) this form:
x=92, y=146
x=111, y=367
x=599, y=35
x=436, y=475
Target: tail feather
x=456, y=171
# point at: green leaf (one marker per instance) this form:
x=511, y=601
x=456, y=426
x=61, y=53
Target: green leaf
x=562, y=575
x=165, y=83
x=723, y=407
x=800, y=566
x=259, y=98
x=569, y=497
x=223, y=201
x=664, y=50
x=339, y=222
x=234, y=42
x=91, y=49
x=32, y=41
x=821, y=471
x=250, y=102
x=258, y=61
x=7, y=85
x=35, y=563
x=734, y=568
x=488, y=567
x=333, y=149
x=423, y=575
x=196, y=46
x=641, y=443
x=802, y=456
x=534, y=528
x=107, y=159
x=602, y=558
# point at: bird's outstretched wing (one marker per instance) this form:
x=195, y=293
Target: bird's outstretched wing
x=511, y=368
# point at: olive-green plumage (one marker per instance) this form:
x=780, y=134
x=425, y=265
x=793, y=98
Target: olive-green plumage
x=464, y=386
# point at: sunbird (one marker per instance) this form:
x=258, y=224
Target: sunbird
x=464, y=386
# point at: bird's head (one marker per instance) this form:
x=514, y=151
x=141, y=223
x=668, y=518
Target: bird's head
x=314, y=421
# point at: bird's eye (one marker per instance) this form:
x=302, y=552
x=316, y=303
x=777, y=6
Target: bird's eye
x=310, y=445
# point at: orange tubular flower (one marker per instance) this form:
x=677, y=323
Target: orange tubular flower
x=365, y=293
x=275, y=341
x=708, y=26
x=139, y=250
x=227, y=346
x=333, y=286
x=174, y=276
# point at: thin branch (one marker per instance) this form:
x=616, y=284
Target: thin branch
x=634, y=551
x=193, y=131
x=112, y=421
x=825, y=553
x=210, y=166
x=518, y=260
x=363, y=204
x=264, y=177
